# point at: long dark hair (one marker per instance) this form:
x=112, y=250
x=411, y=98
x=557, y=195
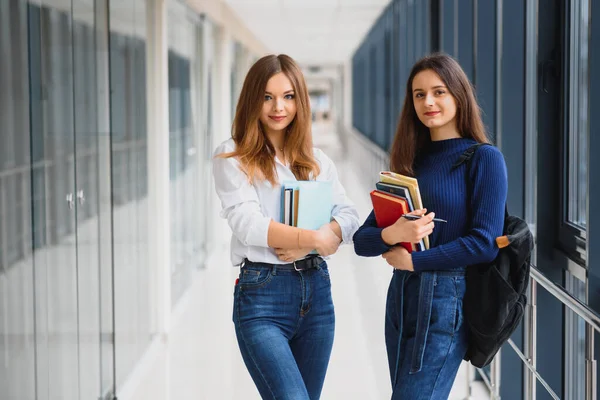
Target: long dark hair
x=412, y=136
x=253, y=148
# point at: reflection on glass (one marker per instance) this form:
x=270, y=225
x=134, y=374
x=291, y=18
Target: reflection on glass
x=88, y=33
x=579, y=114
x=186, y=170
x=55, y=263
x=17, y=341
x=129, y=182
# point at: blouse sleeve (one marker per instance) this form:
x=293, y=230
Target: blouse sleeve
x=239, y=201
x=344, y=210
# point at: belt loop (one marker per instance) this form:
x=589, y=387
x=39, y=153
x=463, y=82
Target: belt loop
x=274, y=269
x=317, y=262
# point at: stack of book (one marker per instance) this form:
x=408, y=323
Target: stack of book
x=395, y=196
x=306, y=204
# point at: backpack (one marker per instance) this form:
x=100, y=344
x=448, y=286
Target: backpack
x=495, y=297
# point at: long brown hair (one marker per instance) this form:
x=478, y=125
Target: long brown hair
x=253, y=148
x=412, y=135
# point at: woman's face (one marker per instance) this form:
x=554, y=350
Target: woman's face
x=434, y=105
x=279, y=107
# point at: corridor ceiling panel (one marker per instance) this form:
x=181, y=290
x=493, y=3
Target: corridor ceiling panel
x=313, y=32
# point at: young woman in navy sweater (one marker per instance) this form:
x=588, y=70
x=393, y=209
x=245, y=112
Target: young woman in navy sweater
x=425, y=334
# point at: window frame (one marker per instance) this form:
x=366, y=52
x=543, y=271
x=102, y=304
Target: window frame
x=572, y=238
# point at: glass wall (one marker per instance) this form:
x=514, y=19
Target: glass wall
x=187, y=111
x=52, y=326
x=133, y=313
x=578, y=112
x=17, y=309
x=381, y=65
x=77, y=295
x=531, y=68
x=238, y=73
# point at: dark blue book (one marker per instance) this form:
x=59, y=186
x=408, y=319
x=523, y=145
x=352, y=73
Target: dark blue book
x=397, y=190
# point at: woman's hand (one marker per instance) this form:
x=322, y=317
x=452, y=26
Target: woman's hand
x=407, y=231
x=399, y=258
x=291, y=255
x=326, y=241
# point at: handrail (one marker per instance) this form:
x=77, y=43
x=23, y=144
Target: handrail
x=533, y=370
x=592, y=319
x=589, y=315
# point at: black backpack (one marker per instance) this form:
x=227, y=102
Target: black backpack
x=495, y=298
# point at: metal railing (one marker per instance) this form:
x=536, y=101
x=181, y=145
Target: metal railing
x=592, y=323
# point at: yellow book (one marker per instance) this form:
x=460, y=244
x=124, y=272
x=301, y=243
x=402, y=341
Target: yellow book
x=413, y=187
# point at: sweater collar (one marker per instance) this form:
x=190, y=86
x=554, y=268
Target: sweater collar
x=450, y=144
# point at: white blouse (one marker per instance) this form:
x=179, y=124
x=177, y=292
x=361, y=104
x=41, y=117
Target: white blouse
x=249, y=208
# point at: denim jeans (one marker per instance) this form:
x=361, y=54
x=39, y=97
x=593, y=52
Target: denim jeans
x=427, y=372
x=284, y=322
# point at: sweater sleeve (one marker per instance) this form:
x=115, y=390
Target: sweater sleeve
x=367, y=239
x=488, y=198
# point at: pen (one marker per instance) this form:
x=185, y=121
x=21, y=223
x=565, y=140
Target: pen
x=416, y=217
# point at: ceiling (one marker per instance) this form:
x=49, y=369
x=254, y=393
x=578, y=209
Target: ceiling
x=313, y=32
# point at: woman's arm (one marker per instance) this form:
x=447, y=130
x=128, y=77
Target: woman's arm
x=289, y=255
x=370, y=241
x=325, y=240
x=345, y=218
x=367, y=239
x=488, y=198
x=241, y=207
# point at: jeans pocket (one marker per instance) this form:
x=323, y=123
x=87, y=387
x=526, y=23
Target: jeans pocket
x=235, y=303
x=445, y=311
x=254, y=277
x=461, y=287
x=323, y=270
x=458, y=316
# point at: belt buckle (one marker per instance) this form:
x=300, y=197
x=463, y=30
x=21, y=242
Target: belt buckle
x=296, y=268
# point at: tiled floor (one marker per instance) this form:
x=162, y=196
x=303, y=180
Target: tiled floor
x=200, y=358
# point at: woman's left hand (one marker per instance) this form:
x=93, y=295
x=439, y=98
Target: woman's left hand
x=399, y=258
x=291, y=255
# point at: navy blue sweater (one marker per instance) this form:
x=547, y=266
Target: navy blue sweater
x=474, y=219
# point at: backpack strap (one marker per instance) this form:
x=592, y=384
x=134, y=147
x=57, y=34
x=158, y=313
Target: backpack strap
x=465, y=157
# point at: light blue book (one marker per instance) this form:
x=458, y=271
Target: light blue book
x=315, y=202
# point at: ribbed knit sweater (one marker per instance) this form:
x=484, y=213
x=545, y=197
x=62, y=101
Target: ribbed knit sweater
x=474, y=219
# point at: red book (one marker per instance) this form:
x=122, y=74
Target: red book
x=388, y=209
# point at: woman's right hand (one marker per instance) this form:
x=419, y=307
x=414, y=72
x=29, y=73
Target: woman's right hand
x=326, y=241
x=407, y=231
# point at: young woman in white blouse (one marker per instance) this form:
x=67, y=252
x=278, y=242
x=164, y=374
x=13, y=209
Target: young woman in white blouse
x=283, y=311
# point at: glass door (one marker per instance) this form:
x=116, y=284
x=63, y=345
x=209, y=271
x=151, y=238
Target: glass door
x=68, y=47
x=103, y=197
x=53, y=175
x=17, y=340
x=94, y=262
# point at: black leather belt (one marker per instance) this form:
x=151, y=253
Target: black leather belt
x=300, y=265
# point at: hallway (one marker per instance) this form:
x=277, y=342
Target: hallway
x=200, y=360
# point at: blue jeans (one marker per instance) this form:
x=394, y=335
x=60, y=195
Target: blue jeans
x=425, y=336
x=284, y=322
